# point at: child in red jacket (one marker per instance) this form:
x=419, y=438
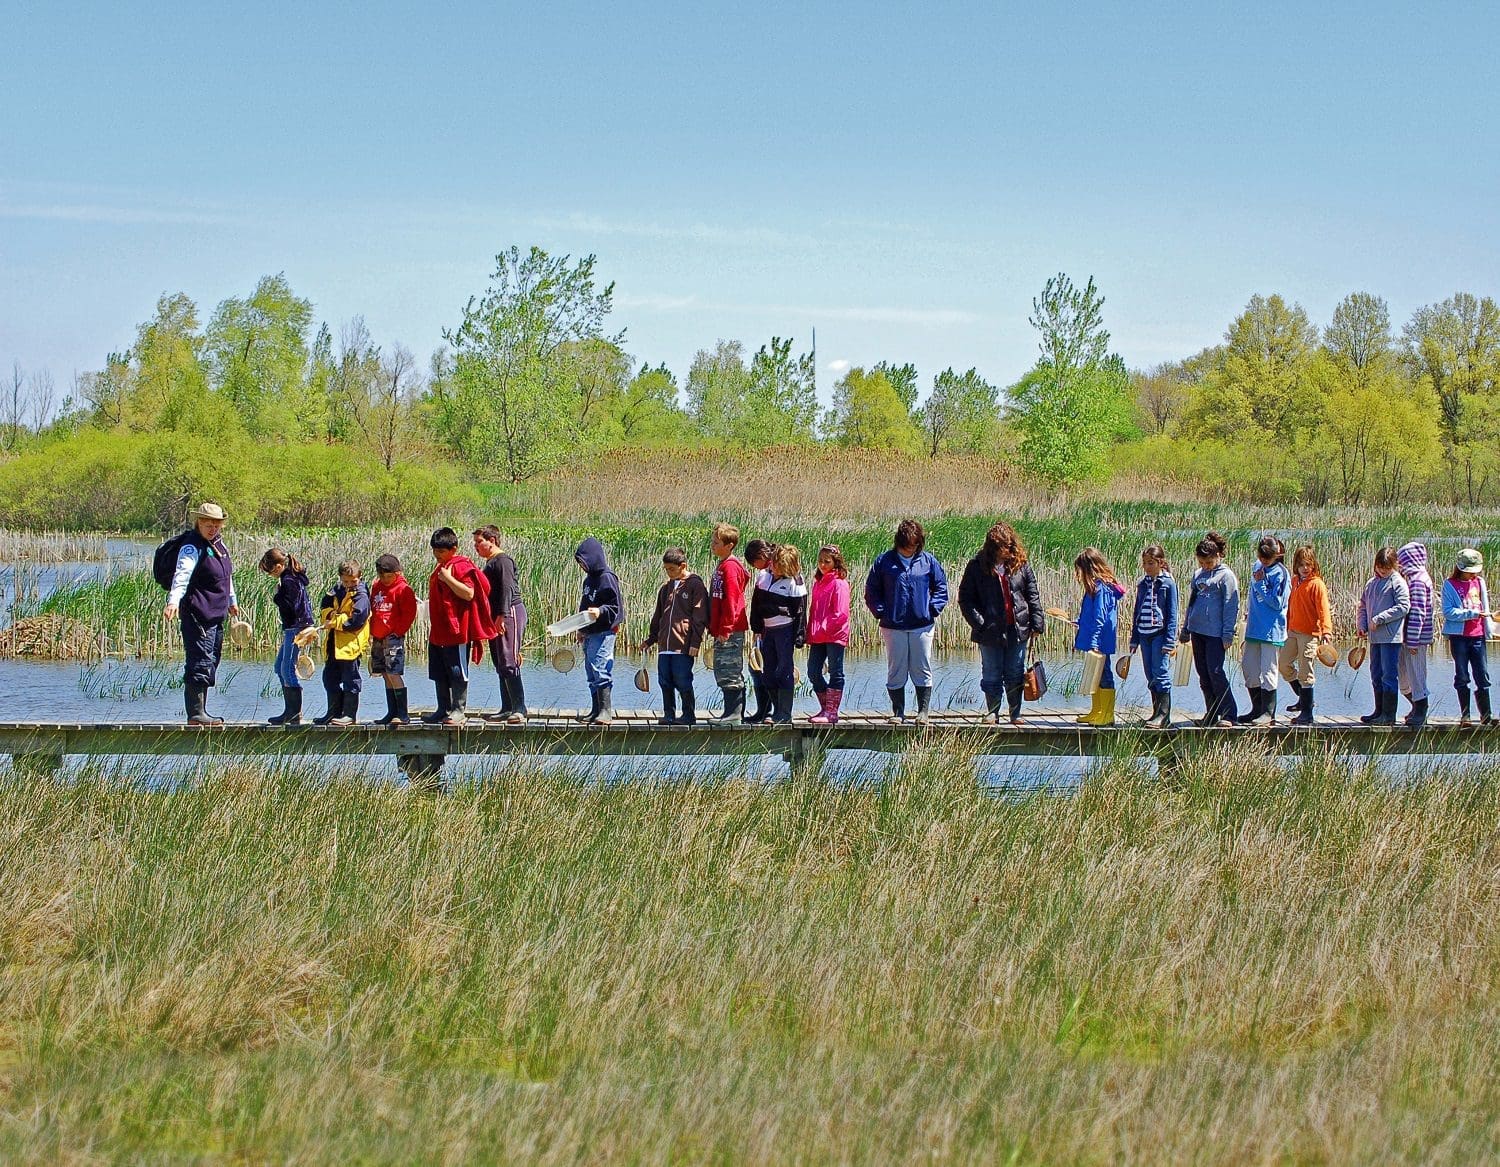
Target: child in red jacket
x=458, y=607
x=393, y=608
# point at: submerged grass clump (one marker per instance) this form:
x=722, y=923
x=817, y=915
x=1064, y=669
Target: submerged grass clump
x=1235, y=961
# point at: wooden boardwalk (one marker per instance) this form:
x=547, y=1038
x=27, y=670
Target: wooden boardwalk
x=422, y=749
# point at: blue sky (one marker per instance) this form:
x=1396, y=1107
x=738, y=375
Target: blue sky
x=902, y=177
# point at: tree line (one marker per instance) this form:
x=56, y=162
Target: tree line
x=531, y=376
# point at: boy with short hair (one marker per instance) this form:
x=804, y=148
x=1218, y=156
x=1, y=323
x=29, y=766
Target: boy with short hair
x=677, y=628
x=344, y=616
x=393, y=608
x=508, y=611
x=728, y=619
x=458, y=610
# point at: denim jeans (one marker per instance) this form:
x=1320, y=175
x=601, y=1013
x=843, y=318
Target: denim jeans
x=1156, y=663
x=1384, y=663
x=286, y=660
x=1002, y=669
x=833, y=656
x=1208, y=659
x=1469, y=659
x=599, y=659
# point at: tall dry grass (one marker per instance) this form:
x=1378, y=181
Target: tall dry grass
x=1240, y=964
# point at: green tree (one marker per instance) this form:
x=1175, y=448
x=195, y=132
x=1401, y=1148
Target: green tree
x=781, y=402
x=509, y=402
x=166, y=359
x=1076, y=400
x=903, y=379
x=961, y=415
x=867, y=412
x=257, y=357
x=717, y=385
x=646, y=412
x=1359, y=335
x=1456, y=346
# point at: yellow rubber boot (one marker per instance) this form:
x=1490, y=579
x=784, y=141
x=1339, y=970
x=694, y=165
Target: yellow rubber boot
x=1088, y=718
x=1106, y=707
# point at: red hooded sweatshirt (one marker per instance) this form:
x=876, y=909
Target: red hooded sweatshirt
x=456, y=621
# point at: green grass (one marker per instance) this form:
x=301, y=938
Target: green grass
x=1240, y=964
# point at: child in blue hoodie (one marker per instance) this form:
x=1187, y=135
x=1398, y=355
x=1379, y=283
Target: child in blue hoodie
x=1213, y=612
x=1265, y=630
x=604, y=601
x=1098, y=626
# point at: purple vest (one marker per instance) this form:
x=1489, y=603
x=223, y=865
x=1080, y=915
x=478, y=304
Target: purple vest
x=207, y=595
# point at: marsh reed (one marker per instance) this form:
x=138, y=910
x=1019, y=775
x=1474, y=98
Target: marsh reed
x=1240, y=963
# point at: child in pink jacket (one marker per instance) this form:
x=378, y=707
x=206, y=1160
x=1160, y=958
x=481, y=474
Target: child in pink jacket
x=828, y=633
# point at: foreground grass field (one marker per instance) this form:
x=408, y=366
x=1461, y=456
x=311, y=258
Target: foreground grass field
x=1239, y=965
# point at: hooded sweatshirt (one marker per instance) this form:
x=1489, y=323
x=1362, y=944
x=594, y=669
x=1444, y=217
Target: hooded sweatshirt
x=292, y=601
x=1383, y=607
x=1265, y=620
x=601, y=588
x=455, y=621
x=1213, y=607
x=1099, y=618
x=828, y=610
x=1420, y=625
x=906, y=593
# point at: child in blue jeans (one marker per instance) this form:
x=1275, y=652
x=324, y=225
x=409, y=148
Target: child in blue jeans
x=1382, y=621
x=1153, y=629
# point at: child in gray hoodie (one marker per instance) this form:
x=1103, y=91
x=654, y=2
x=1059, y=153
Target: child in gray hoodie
x=1382, y=620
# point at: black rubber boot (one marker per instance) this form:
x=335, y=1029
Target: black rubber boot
x=1372, y=718
x=924, y=700
x=898, y=702
x=1463, y=706
x=1387, y=714
x=402, y=697
x=1482, y=698
x=195, y=701
x=1257, y=705
x=781, y=712
x=335, y=707
x=1417, y=718
x=1161, y=710
x=444, y=702
x=294, y=707
x=668, y=706
x=606, y=712
x=390, y=707
x=348, y=712
x=762, y=704
x=1267, y=715
x=1295, y=706
x=993, y=703
x=593, y=714
x=734, y=707
x=689, y=702
x=1305, y=714
x=458, y=703
x=286, y=706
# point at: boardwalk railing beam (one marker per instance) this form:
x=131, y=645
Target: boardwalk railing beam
x=421, y=750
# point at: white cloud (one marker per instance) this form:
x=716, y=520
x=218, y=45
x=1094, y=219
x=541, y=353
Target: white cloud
x=838, y=366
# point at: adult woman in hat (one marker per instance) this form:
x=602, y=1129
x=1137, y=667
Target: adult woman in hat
x=202, y=597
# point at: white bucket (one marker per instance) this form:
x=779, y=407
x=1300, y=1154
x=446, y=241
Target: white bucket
x=1182, y=664
x=1093, y=672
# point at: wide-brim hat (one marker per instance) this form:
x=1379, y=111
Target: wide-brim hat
x=241, y=633
x=1328, y=656
x=1470, y=561
x=207, y=510
x=1357, y=656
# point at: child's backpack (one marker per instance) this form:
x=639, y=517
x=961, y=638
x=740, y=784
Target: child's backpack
x=164, y=562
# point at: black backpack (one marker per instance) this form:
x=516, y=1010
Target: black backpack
x=164, y=562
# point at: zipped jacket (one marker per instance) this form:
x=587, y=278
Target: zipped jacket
x=1421, y=627
x=681, y=615
x=346, y=611
x=906, y=596
x=1155, y=608
x=981, y=602
x=1099, y=619
x=1213, y=606
x=1383, y=607
x=1265, y=620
